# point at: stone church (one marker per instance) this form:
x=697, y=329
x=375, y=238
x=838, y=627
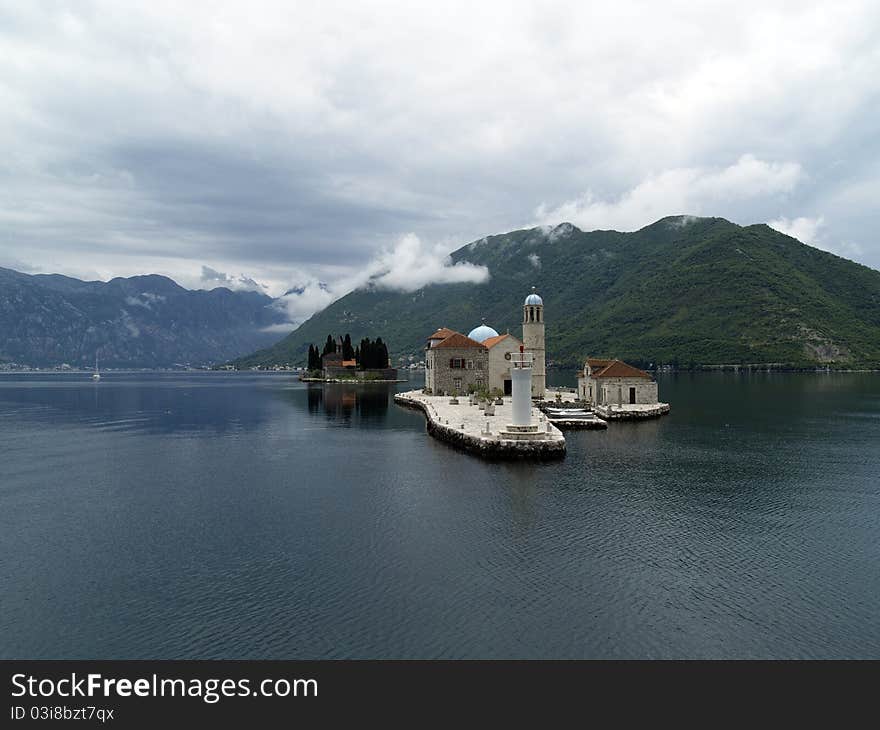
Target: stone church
x=481, y=359
x=614, y=382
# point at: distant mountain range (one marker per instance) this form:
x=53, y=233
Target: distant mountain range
x=683, y=291
x=142, y=321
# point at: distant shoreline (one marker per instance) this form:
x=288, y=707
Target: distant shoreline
x=747, y=369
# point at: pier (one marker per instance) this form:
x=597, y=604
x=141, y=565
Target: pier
x=467, y=426
x=561, y=399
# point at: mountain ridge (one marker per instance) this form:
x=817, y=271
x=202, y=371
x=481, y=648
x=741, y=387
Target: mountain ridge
x=140, y=321
x=683, y=291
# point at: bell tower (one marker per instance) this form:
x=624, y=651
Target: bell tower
x=533, y=339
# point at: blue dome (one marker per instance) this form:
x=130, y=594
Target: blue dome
x=534, y=299
x=482, y=333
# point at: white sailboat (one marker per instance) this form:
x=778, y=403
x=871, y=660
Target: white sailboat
x=96, y=376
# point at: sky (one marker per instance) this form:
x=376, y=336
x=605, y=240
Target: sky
x=309, y=147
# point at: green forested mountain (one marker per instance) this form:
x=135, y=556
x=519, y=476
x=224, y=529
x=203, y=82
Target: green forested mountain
x=683, y=291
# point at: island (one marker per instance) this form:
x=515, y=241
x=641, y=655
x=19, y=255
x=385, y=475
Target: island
x=341, y=362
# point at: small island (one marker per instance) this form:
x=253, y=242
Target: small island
x=341, y=362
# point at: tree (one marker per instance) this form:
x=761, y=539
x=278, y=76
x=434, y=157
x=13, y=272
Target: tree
x=347, y=349
x=329, y=346
x=314, y=358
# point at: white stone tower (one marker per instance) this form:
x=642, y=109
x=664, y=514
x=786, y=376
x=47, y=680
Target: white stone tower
x=533, y=339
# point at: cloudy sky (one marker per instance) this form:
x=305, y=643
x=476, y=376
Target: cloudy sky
x=310, y=145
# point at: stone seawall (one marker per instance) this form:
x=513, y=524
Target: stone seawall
x=632, y=412
x=489, y=446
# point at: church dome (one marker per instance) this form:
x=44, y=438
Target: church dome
x=534, y=299
x=482, y=333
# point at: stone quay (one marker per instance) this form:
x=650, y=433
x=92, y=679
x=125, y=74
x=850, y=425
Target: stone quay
x=462, y=423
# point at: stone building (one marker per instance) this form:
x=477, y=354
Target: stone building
x=481, y=358
x=454, y=361
x=614, y=382
x=334, y=366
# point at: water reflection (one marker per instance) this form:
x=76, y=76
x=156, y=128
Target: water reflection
x=344, y=404
x=202, y=404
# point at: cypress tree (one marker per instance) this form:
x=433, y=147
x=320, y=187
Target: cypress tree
x=314, y=358
x=347, y=350
x=329, y=346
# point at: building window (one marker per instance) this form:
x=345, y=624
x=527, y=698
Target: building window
x=456, y=363
x=470, y=364
x=456, y=383
x=479, y=364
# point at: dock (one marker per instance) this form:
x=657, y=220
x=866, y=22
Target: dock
x=468, y=427
x=629, y=412
x=561, y=399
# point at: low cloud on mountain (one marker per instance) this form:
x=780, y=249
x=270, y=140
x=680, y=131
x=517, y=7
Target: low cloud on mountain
x=407, y=265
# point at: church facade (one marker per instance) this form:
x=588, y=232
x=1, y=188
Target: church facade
x=455, y=363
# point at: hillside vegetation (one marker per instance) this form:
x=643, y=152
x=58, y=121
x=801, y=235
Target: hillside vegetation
x=683, y=291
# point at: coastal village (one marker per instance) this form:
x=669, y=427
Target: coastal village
x=487, y=392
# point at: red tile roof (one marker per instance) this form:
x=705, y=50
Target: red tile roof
x=456, y=339
x=492, y=341
x=614, y=369
x=442, y=334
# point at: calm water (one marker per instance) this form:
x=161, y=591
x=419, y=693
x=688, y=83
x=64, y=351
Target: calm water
x=239, y=516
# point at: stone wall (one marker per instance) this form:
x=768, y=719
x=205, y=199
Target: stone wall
x=616, y=390
x=440, y=378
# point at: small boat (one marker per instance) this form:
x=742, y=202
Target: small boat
x=567, y=412
x=96, y=376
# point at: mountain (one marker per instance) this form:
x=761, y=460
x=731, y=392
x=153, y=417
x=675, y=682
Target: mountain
x=683, y=291
x=142, y=321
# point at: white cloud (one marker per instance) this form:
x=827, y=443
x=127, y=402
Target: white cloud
x=691, y=190
x=805, y=230
x=406, y=266
x=535, y=260
x=411, y=264
x=211, y=279
x=812, y=232
x=304, y=300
